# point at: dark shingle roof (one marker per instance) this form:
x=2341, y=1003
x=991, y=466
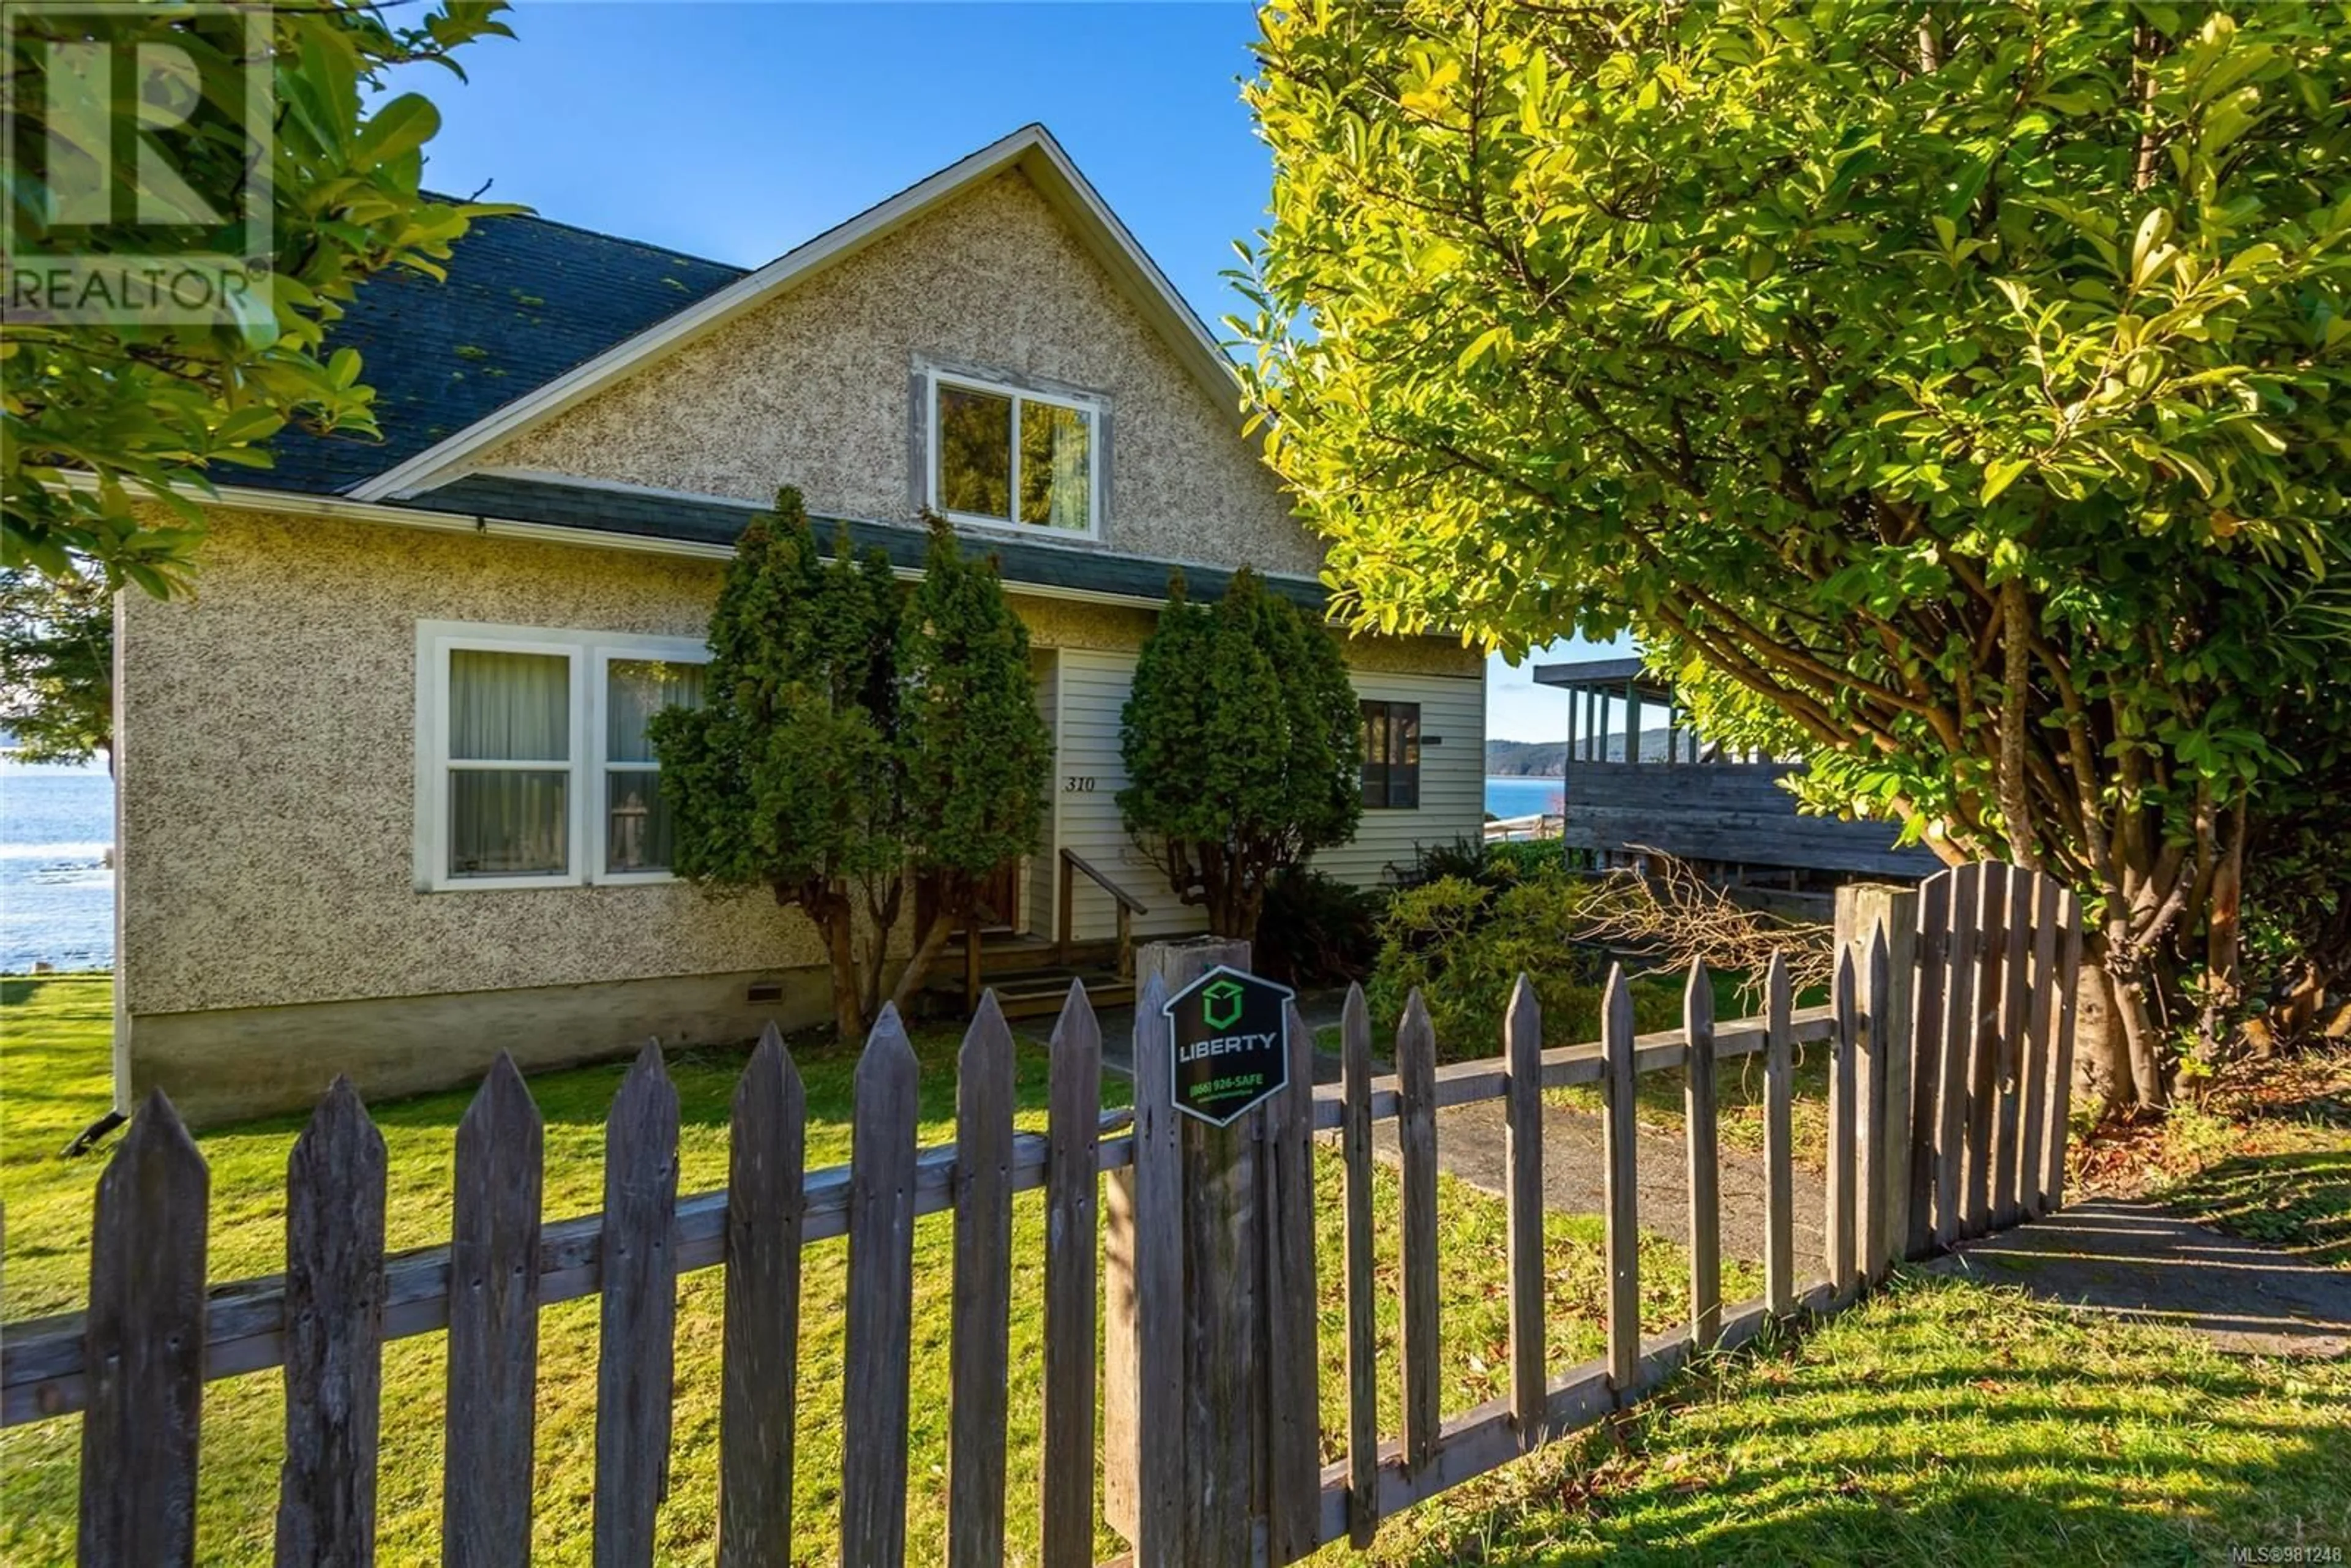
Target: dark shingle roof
x=719, y=522
x=525, y=300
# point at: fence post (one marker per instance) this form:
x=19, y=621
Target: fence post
x=1220, y=1429
x=1886, y=1147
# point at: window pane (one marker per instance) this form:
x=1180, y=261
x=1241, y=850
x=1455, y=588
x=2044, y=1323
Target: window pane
x=635, y=690
x=512, y=707
x=1376, y=747
x=1056, y=466
x=975, y=447
x=638, y=830
x=1404, y=758
x=506, y=821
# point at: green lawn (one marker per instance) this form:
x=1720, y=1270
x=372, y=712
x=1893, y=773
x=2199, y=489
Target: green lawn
x=1942, y=1423
x=2270, y=1159
x=54, y=1077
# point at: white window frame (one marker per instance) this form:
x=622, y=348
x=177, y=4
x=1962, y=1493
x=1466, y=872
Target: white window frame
x=1093, y=409
x=591, y=654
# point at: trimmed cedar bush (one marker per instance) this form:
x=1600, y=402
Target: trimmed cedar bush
x=857, y=739
x=1243, y=739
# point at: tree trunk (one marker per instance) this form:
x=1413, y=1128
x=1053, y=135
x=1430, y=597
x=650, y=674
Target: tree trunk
x=840, y=951
x=927, y=947
x=2223, y=986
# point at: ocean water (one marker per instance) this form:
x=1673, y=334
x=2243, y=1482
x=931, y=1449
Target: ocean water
x=1523, y=797
x=57, y=890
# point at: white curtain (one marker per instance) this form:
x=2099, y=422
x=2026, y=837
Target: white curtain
x=637, y=819
x=508, y=707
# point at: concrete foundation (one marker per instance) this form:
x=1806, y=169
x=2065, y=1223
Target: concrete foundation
x=230, y=1063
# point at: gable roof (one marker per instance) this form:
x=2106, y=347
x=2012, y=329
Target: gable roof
x=1031, y=150
x=527, y=299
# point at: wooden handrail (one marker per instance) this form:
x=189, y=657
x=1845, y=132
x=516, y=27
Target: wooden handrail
x=1129, y=906
x=1133, y=904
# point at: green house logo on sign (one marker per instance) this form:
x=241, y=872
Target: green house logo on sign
x=1228, y=1043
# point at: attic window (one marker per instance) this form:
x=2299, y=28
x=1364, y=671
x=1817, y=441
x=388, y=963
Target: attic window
x=1005, y=457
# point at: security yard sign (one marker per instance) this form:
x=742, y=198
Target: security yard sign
x=1231, y=1050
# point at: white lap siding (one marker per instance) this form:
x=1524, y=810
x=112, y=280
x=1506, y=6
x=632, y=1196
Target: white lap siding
x=1090, y=690
x=1452, y=777
x=1087, y=778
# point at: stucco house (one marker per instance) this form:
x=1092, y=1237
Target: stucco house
x=386, y=804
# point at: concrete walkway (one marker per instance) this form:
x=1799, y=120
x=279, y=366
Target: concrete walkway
x=2137, y=1261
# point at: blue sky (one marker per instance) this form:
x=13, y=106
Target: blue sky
x=735, y=131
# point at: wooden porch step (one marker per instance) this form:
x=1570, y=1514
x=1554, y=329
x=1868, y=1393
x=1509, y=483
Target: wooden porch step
x=1044, y=999
x=1036, y=988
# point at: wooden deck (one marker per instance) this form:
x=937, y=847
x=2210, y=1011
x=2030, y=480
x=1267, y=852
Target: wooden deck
x=1731, y=813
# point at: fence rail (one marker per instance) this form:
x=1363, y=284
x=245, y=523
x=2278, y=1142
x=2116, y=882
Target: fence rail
x=1950, y=1078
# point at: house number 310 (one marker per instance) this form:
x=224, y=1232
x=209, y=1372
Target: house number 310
x=1078, y=784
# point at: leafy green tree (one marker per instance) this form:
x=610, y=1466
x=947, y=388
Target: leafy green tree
x=857, y=740
x=974, y=754
x=97, y=419
x=57, y=666
x=787, y=777
x=1243, y=743
x=1952, y=394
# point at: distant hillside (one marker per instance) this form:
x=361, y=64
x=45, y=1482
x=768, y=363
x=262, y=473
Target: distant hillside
x=1525, y=759
x=1546, y=758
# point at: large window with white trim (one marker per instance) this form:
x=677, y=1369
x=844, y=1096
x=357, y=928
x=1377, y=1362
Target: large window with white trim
x=1008, y=457
x=535, y=760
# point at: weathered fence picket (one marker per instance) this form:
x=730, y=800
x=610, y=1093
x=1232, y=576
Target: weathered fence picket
x=1620, y=1180
x=1839, y=1227
x=1415, y=1060
x=334, y=1339
x=1926, y=1049
x=1949, y=1087
x=1875, y=1214
x=978, y=1341
x=494, y=1327
x=1952, y=1075
x=1702, y=1138
x=1984, y=1047
x=2039, y=1049
x=2061, y=1071
x=145, y=1344
x=1522, y=1156
x=759, y=1385
x=1779, y=1141
x=1293, y=1402
x=1363, y=1335
x=636, y=1342
x=881, y=1300
x=1151, y=1387
x=2016, y=1001
x=1072, y=1178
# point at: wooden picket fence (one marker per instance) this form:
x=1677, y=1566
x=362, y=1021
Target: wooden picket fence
x=1947, y=1117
